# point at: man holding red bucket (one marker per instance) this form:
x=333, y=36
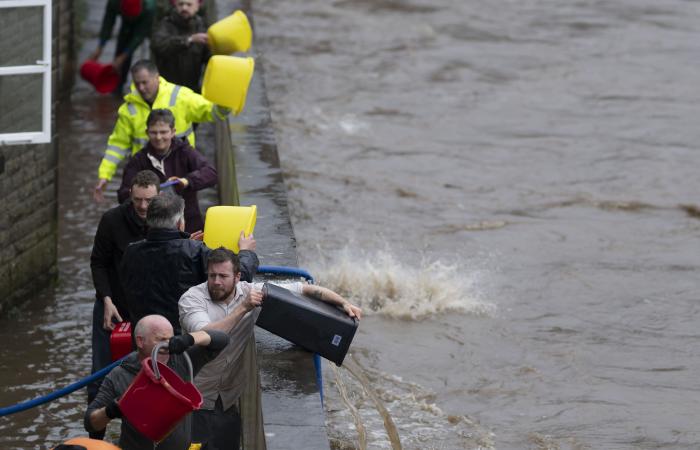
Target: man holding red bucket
x=201, y=347
x=136, y=23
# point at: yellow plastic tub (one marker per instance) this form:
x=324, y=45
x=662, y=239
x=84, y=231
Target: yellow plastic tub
x=230, y=34
x=223, y=225
x=226, y=81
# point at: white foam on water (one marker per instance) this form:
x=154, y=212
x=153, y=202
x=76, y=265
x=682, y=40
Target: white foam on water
x=381, y=283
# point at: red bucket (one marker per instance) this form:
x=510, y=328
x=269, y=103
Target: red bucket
x=102, y=76
x=157, y=400
x=120, y=340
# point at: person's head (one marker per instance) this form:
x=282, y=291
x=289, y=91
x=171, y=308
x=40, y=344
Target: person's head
x=223, y=273
x=160, y=127
x=145, y=76
x=187, y=8
x=149, y=331
x=166, y=211
x=144, y=187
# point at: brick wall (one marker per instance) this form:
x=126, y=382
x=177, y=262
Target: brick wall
x=28, y=221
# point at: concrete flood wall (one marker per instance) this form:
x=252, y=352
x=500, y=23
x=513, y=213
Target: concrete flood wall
x=250, y=174
x=28, y=221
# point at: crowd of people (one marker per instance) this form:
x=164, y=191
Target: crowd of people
x=149, y=264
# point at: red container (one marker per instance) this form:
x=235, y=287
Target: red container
x=102, y=76
x=120, y=340
x=155, y=404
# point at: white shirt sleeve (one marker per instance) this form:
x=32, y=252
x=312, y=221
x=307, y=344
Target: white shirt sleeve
x=194, y=314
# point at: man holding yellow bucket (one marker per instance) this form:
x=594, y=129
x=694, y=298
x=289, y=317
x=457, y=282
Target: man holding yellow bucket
x=151, y=91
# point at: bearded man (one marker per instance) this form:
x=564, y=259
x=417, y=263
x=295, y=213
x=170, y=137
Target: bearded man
x=225, y=303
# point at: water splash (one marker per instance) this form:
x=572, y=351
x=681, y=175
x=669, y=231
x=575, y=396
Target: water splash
x=406, y=289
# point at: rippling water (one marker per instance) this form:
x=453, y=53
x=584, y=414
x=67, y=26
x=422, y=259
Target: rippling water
x=508, y=188
x=516, y=184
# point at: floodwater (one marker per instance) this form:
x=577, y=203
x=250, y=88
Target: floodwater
x=509, y=189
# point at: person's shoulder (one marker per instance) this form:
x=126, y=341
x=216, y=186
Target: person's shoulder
x=115, y=212
x=199, y=289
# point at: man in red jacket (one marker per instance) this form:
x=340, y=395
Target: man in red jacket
x=172, y=159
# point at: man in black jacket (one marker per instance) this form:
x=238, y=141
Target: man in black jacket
x=118, y=227
x=156, y=272
x=179, y=44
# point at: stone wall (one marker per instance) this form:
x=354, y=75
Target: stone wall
x=28, y=222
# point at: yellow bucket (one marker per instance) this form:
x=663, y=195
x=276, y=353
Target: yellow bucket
x=223, y=225
x=226, y=81
x=231, y=34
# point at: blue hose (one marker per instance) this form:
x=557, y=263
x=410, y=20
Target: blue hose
x=59, y=393
x=275, y=270
x=294, y=271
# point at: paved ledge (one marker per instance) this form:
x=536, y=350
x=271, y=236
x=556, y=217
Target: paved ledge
x=292, y=410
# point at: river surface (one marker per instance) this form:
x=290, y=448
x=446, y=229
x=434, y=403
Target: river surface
x=508, y=189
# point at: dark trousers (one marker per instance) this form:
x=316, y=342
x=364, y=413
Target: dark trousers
x=101, y=354
x=217, y=429
x=123, y=38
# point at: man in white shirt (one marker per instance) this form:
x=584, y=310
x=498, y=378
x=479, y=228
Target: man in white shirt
x=227, y=304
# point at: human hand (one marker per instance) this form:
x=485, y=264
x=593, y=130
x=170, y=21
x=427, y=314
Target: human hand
x=112, y=410
x=111, y=314
x=253, y=300
x=197, y=235
x=246, y=243
x=178, y=344
x=352, y=310
x=94, y=56
x=119, y=61
x=98, y=192
x=182, y=183
x=199, y=38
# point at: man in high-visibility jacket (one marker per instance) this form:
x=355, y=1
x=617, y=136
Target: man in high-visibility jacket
x=150, y=91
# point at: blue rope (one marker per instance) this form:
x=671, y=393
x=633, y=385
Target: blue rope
x=293, y=271
x=59, y=393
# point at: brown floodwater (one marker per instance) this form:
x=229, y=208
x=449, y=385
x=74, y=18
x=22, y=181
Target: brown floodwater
x=508, y=189
x=502, y=186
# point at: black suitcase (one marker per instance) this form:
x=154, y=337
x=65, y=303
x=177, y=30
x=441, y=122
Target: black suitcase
x=315, y=325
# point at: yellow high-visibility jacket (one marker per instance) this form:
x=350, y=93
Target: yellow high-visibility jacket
x=129, y=135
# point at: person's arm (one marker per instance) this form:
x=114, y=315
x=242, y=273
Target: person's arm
x=108, y=21
x=248, y=259
x=103, y=408
x=166, y=42
x=199, y=109
x=118, y=148
x=328, y=296
x=101, y=260
x=194, y=315
x=206, y=345
x=252, y=300
x=142, y=28
x=202, y=174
